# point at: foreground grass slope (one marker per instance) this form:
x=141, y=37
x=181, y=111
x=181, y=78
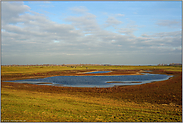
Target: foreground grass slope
x=34, y=106
x=152, y=102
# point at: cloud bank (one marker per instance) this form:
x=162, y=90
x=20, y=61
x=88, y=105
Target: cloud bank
x=32, y=38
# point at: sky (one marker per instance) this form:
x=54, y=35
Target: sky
x=91, y=32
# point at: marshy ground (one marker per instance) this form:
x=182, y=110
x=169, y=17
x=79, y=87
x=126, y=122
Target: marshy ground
x=153, y=102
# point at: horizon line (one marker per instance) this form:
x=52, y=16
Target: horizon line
x=48, y=64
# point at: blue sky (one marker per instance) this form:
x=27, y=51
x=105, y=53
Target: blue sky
x=115, y=32
x=145, y=14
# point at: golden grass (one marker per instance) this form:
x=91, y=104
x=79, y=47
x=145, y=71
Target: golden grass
x=152, y=102
x=34, y=106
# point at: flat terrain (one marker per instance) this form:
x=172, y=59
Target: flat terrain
x=152, y=102
x=25, y=72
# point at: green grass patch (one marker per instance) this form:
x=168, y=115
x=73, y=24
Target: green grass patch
x=42, y=69
x=34, y=106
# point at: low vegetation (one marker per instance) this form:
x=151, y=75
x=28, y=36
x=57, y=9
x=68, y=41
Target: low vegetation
x=24, y=72
x=152, y=102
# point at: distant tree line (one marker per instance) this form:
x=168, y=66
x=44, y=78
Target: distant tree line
x=82, y=65
x=72, y=65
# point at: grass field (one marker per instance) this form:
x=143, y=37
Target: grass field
x=23, y=72
x=41, y=69
x=153, y=102
x=53, y=107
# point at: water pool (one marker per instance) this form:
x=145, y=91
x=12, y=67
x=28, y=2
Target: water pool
x=96, y=81
x=94, y=72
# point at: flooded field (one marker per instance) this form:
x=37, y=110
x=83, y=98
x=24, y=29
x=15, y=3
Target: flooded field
x=96, y=81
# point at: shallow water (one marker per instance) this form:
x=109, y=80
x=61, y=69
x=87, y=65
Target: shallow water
x=97, y=72
x=96, y=81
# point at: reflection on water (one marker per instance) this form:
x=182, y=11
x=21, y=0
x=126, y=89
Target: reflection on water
x=96, y=81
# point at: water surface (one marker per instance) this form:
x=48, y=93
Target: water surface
x=96, y=81
x=94, y=72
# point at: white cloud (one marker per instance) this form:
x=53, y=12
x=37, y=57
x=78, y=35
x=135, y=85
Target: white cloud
x=11, y=11
x=127, y=31
x=80, y=9
x=120, y=15
x=35, y=34
x=112, y=21
x=86, y=22
x=169, y=23
x=164, y=41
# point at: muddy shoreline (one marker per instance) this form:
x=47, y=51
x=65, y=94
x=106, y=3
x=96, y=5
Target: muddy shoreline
x=161, y=92
x=68, y=73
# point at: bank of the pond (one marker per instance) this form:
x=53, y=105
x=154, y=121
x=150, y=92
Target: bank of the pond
x=166, y=91
x=21, y=76
x=152, y=102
